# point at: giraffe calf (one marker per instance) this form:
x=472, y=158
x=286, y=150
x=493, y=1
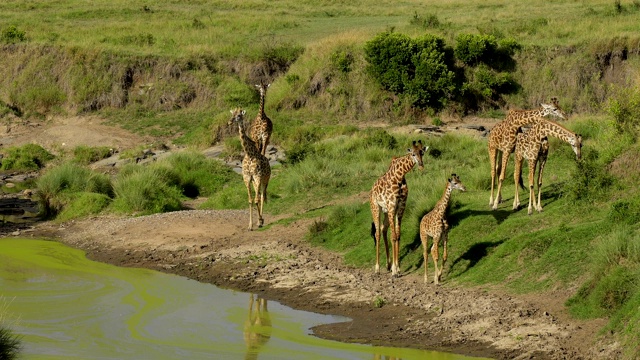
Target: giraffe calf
x=434, y=225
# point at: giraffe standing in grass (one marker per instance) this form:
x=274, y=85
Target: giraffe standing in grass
x=262, y=127
x=502, y=140
x=388, y=199
x=533, y=145
x=255, y=168
x=434, y=225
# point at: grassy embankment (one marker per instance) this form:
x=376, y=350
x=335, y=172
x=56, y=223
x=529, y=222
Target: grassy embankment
x=173, y=71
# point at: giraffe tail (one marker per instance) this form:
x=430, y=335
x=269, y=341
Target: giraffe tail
x=373, y=232
x=521, y=183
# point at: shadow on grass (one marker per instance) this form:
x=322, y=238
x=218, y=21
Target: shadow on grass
x=475, y=254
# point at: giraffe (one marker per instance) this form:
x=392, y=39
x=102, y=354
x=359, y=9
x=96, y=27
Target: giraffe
x=255, y=168
x=389, y=197
x=434, y=225
x=262, y=127
x=533, y=145
x=257, y=328
x=502, y=139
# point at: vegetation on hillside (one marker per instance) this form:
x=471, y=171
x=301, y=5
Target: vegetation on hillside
x=174, y=69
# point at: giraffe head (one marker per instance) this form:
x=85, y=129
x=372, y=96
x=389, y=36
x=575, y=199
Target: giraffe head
x=237, y=117
x=576, y=145
x=455, y=183
x=417, y=150
x=262, y=87
x=553, y=109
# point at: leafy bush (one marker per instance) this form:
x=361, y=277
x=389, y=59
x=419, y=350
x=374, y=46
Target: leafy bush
x=381, y=138
x=342, y=60
x=418, y=68
x=26, y=157
x=624, y=107
x=591, y=181
x=472, y=49
x=12, y=35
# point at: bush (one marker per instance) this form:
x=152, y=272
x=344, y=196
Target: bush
x=419, y=69
x=27, y=157
x=83, y=204
x=12, y=35
x=472, y=49
x=198, y=175
x=591, y=181
x=624, y=107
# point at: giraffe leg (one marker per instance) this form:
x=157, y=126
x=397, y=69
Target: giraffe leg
x=395, y=238
x=247, y=183
x=434, y=256
x=445, y=243
x=493, y=154
x=385, y=232
x=260, y=203
x=425, y=242
x=532, y=169
x=375, y=214
x=503, y=171
x=542, y=163
x=517, y=172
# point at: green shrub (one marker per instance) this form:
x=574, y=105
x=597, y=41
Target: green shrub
x=419, y=69
x=26, y=157
x=144, y=190
x=624, y=107
x=12, y=35
x=381, y=139
x=472, y=49
x=342, y=60
x=590, y=179
x=9, y=344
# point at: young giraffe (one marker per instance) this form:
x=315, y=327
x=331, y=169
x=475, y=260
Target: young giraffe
x=255, y=168
x=262, y=127
x=389, y=197
x=434, y=225
x=502, y=139
x=533, y=145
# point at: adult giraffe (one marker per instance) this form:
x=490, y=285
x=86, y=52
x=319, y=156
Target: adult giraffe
x=262, y=127
x=533, y=145
x=388, y=199
x=255, y=167
x=502, y=139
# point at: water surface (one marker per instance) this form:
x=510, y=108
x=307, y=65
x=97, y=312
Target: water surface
x=67, y=307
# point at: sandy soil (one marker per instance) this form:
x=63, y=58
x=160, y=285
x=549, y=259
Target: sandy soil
x=277, y=263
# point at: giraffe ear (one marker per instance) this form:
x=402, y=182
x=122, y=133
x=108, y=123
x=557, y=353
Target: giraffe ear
x=231, y=111
x=244, y=112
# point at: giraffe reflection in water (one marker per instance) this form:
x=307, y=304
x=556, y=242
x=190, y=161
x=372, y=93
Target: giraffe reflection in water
x=257, y=328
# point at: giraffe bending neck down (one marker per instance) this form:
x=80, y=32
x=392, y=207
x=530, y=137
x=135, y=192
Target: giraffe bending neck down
x=262, y=126
x=255, y=168
x=502, y=140
x=435, y=225
x=533, y=145
x=388, y=199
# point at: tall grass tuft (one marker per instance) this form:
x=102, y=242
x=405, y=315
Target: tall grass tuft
x=55, y=185
x=197, y=175
x=145, y=190
x=25, y=157
x=9, y=344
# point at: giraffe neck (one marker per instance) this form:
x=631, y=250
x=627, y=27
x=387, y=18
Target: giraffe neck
x=527, y=116
x=400, y=167
x=441, y=206
x=262, y=96
x=248, y=145
x=550, y=128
